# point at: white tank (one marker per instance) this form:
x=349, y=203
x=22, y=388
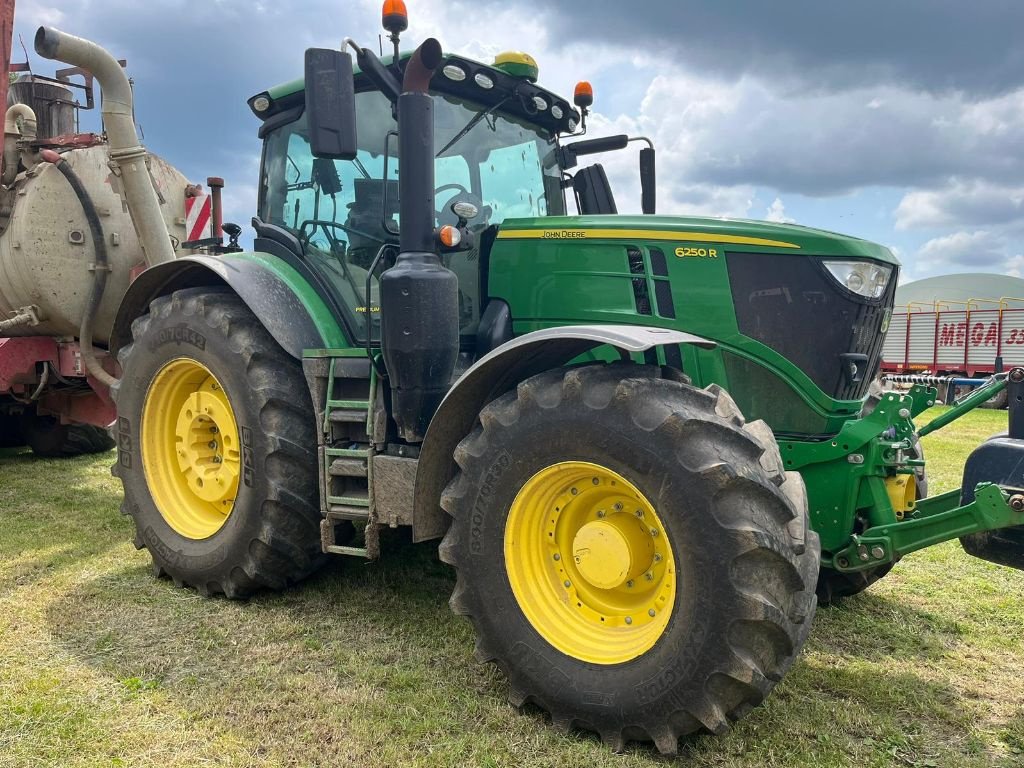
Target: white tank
x=46, y=247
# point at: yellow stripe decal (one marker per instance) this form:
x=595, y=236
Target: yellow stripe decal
x=637, y=234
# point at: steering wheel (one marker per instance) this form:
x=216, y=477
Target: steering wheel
x=460, y=190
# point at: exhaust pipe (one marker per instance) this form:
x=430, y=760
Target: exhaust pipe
x=127, y=156
x=419, y=296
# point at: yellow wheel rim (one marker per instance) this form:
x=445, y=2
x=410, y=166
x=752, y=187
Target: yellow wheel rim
x=191, y=453
x=590, y=563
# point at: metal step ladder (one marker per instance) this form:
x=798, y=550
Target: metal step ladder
x=348, y=454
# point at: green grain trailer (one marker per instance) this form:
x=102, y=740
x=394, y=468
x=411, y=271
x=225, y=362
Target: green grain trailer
x=646, y=443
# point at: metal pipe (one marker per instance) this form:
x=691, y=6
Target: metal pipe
x=24, y=316
x=127, y=155
x=100, y=268
x=12, y=134
x=216, y=184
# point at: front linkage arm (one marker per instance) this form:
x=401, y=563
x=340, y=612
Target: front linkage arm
x=870, y=452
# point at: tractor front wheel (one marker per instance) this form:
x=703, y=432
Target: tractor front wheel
x=630, y=552
x=217, y=447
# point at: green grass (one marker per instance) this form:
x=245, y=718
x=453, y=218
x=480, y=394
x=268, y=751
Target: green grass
x=101, y=664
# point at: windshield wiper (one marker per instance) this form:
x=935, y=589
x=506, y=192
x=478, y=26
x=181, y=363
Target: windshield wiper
x=474, y=121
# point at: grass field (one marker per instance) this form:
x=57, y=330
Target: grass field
x=101, y=664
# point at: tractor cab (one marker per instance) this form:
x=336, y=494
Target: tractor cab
x=496, y=156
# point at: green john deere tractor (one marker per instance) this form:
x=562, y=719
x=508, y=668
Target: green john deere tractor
x=646, y=443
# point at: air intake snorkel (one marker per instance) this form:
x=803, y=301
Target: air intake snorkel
x=419, y=296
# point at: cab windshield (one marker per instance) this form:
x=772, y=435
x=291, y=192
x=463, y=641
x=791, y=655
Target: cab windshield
x=344, y=211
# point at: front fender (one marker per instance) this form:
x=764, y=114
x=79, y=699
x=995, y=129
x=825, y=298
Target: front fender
x=496, y=373
x=281, y=299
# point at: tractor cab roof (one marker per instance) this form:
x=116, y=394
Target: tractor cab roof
x=489, y=86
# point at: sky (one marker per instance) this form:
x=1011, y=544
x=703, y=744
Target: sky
x=899, y=121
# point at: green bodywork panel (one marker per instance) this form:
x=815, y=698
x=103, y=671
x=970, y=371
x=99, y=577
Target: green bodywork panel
x=321, y=315
x=570, y=270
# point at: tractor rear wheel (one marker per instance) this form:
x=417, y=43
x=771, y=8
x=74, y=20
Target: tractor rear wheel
x=217, y=447
x=630, y=552
x=10, y=431
x=49, y=439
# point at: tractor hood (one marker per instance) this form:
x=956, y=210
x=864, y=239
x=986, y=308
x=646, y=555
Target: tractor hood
x=686, y=231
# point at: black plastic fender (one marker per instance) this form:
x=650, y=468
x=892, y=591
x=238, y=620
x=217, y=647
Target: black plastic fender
x=277, y=306
x=493, y=375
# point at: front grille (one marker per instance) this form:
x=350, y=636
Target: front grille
x=793, y=305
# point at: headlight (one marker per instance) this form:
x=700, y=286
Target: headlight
x=862, y=277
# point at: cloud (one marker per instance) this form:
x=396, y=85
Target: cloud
x=960, y=203
x=976, y=250
x=930, y=45
x=777, y=212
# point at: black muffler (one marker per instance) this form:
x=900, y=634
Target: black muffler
x=419, y=296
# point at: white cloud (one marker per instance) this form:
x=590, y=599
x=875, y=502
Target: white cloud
x=777, y=212
x=980, y=249
x=38, y=13
x=960, y=203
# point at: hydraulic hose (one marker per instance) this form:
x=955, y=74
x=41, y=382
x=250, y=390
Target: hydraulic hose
x=100, y=268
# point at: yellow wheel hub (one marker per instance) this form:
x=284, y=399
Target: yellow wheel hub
x=191, y=453
x=589, y=563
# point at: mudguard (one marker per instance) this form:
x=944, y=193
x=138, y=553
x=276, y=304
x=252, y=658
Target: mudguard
x=281, y=299
x=496, y=373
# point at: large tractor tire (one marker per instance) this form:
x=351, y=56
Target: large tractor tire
x=49, y=439
x=631, y=553
x=833, y=586
x=217, y=447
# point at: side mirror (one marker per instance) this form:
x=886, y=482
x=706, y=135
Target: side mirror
x=330, y=104
x=571, y=152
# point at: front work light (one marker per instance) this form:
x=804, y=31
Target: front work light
x=864, y=278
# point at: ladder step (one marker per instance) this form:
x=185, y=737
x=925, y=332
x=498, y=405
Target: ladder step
x=349, y=452
x=348, y=512
x=348, y=416
x=354, y=498
x=348, y=467
x=350, y=404
x=354, y=551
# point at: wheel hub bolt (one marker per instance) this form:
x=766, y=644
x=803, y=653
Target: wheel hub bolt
x=212, y=445
x=651, y=613
x=557, y=556
x=639, y=513
x=654, y=531
x=629, y=584
x=214, y=430
x=595, y=481
x=657, y=557
x=649, y=576
x=217, y=459
x=567, y=583
x=618, y=506
x=600, y=513
x=629, y=620
x=573, y=491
